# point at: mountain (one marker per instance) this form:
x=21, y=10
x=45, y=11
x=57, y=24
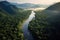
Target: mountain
x=56, y=6
x=11, y=19
x=29, y=5
x=53, y=9
x=46, y=25
x=8, y=23
x=52, y=14
x=7, y=7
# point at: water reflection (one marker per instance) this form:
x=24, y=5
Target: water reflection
x=27, y=34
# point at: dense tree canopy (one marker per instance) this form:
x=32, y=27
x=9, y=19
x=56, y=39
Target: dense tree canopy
x=9, y=29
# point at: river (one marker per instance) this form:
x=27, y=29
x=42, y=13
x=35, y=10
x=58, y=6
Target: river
x=26, y=32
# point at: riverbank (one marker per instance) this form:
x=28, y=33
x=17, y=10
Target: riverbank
x=26, y=32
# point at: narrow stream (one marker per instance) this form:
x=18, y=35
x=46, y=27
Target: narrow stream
x=26, y=32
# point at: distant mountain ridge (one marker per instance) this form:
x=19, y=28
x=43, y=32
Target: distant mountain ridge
x=56, y=7
x=29, y=5
x=8, y=7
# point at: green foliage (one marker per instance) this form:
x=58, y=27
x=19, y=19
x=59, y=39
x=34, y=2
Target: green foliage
x=37, y=26
x=45, y=26
x=9, y=29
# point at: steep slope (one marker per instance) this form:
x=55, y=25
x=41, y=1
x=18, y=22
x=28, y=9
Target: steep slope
x=7, y=7
x=11, y=19
x=46, y=25
x=54, y=7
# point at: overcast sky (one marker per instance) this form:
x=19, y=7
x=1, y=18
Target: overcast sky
x=35, y=1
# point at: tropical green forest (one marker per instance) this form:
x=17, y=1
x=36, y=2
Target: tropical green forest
x=25, y=24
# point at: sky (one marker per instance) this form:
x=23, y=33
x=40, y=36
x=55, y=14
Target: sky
x=34, y=1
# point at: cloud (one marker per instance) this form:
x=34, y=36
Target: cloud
x=35, y=1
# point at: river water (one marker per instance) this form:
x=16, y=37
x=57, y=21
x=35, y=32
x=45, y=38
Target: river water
x=26, y=32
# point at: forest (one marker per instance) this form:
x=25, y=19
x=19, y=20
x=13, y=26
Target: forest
x=45, y=26
x=10, y=25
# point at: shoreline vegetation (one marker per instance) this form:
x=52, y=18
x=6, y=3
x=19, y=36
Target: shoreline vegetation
x=9, y=21
x=46, y=25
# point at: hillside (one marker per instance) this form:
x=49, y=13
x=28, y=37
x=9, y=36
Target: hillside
x=46, y=24
x=7, y=7
x=11, y=19
x=54, y=7
x=29, y=5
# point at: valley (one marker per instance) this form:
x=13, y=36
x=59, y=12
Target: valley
x=32, y=22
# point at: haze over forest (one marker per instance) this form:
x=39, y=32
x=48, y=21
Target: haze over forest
x=25, y=20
